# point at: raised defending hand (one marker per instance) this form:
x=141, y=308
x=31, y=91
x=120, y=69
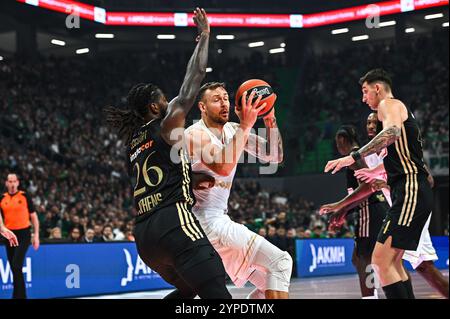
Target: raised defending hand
x=201, y=21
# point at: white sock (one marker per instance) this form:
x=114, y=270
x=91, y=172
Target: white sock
x=375, y=295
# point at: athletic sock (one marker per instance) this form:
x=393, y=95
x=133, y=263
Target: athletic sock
x=409, y=289
x=370, y=297
x=375, y=295
x=396, y=291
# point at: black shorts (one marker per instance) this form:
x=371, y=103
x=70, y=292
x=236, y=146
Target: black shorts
x=172, y=243
x=371, y=216
x=364, y=247
x=412, y=202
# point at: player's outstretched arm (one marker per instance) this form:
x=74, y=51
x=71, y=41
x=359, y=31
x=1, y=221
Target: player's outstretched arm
x=390, y=112
x=350, y=201
x=361, y=193
x=180, y=106
x=368, y=175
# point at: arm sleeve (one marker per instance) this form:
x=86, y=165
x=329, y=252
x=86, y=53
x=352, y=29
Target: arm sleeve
x=30, y=204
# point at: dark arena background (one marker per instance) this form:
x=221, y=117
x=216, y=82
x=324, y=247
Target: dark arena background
x=62, y=62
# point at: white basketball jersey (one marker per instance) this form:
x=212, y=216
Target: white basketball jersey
x=215, y=198
x=374, y=160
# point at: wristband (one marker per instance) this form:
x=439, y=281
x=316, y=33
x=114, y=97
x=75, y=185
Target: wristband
x=355, y=155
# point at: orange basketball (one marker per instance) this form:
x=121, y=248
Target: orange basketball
x=262, y=88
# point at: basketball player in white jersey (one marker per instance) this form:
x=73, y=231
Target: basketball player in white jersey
x=215, y=146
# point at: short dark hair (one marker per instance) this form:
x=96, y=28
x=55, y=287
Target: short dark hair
x=12, y=173
x=209, y=86
x=348, y=132
x=377, y=75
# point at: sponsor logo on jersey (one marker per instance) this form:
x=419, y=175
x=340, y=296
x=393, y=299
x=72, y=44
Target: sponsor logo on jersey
x=142, y=148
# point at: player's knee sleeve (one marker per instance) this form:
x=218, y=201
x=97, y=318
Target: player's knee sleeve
x=279, y=272
x=276, y=264
x=256, y=294
x=259, y=279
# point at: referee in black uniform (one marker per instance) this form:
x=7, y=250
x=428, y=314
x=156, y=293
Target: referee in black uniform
x=17, y=211
x=412, y=197
x=169, y=238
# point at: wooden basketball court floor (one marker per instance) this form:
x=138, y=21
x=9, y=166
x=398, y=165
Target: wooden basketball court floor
x=331, y=287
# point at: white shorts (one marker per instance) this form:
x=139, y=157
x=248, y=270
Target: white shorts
x=235, y=243
x=425, y=250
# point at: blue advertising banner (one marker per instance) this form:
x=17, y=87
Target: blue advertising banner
x=441, y=245
x=69, y=270
x=65, y=270
x=323, y=257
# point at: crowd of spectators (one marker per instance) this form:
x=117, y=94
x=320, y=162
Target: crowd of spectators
x=52, y=134
x=330, y=93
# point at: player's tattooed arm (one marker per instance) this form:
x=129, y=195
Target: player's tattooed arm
x=390, y=113
x=385, y=138
x=274, y=140
x=268, y=150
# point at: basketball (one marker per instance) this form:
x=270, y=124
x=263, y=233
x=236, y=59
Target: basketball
x=263, y=89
